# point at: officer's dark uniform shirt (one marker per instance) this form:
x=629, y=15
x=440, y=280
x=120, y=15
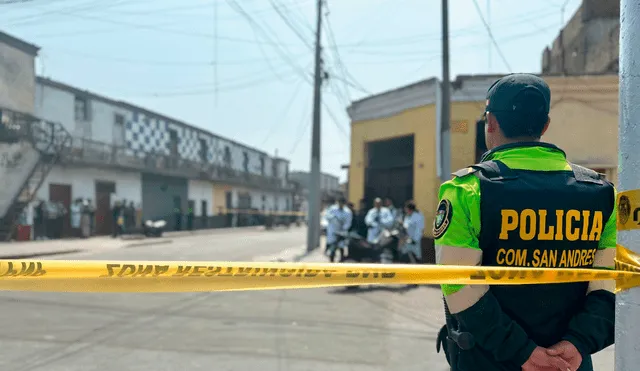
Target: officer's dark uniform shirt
x=537, y=213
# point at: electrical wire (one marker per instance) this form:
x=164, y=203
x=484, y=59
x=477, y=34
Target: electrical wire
x=30, y=19
x=466, y=49
x=148, y=62
x=435, y=36
x=302, y=129
x=336, y=54
x=493, y=40
x=290, y=25
x=208, y=88
x=283, y=54
x=283, y=115
x=334, y=119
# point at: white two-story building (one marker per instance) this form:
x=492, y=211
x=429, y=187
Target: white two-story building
x=125, y=152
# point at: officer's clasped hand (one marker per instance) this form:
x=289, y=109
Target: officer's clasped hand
x=540, y=360
x=568, y=352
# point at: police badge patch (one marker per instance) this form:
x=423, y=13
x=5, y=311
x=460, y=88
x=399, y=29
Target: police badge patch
x=624, y=209
x=443, y=218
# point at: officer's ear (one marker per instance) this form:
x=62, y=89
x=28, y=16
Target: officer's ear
x=492, y=123
x=546, y=126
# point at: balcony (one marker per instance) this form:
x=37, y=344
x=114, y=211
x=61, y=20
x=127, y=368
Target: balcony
x=97, y=154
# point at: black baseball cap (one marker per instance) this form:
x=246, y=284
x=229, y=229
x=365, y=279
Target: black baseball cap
x=519, y=96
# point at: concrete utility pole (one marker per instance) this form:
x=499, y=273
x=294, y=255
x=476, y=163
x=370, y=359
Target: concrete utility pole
x=628, y=302
x=313, y=229
x=445, y=114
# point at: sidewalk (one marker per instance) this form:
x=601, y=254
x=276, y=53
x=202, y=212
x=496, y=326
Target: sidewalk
x=32, y=249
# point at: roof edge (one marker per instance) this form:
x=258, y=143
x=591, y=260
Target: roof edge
x=19, y=44
x=464, y=88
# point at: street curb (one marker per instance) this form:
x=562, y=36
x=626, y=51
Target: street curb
x=148, y=243
x=40, y=254
x=299, y=257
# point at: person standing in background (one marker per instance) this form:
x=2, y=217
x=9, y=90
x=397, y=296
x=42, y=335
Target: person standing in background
x=76, y=214
x=339, y=219
x=414, y=225
x=377, y=219
x=116, y=219
x=85, y=220
x=388, y=203
x=92, y=217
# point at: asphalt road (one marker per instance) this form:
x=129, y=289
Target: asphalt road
x=317, y=329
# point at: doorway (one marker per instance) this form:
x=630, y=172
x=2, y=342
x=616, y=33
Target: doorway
x=62, y=193
x=104, y=218
x=389, y=171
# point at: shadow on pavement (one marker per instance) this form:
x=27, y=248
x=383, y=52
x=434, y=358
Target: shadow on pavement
x=400, y=289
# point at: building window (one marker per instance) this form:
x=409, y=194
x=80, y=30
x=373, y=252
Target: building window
x=274, y=169
x=227, y=156
x=245, y=161
x=173, y=142
x=82, y=109
x=262, y=166
x=118, y=130
x=204, y=149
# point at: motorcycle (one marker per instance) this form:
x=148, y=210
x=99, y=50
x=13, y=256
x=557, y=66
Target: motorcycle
x=391, y=241
x=351, y=247
x=153, y=228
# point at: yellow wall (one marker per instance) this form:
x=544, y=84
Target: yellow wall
x=219, y=197
x=584, y=122
x=420, y=122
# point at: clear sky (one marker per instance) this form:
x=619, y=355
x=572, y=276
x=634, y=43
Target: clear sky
x=248, y=75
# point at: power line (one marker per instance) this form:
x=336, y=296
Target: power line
x=206, y=89
x=284, y=113
x=360, y=48
x=148, y=62
x=234, y=4
x=347, y=78
x=25, y=20
x=338, y=61
x=360, y=88
x=334, y=119
x=305, y=124
x=290, y=25
x=493, y=40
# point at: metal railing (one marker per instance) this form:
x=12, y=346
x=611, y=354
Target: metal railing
x=49, y=138
x=91, y=152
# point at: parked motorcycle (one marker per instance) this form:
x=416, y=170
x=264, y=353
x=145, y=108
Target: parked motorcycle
x=391, y=241
x=153, y=228
x=353, y=248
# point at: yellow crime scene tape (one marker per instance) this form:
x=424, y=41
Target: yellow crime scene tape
x=153, y=276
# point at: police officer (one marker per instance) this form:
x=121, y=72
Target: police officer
x=524, y=205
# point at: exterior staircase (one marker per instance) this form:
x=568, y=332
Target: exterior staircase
x=29, y=147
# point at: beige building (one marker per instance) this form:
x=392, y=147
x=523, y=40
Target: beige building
x=589, y=43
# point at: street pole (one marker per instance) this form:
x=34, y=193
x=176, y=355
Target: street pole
x=313, y=231
x=628, y=302
x=445, y=114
